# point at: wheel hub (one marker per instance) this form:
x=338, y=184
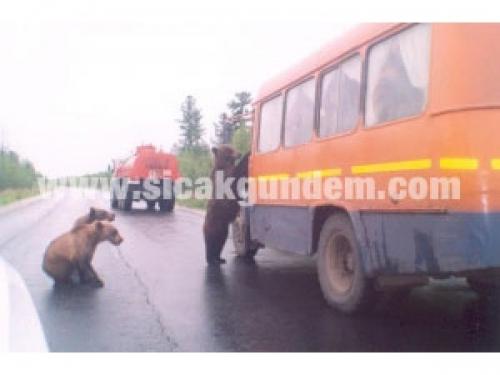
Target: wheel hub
x=341, y=262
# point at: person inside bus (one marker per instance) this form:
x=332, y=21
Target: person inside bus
x=394, y=95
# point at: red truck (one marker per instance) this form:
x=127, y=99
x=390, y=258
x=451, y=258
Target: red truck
x=147, y=175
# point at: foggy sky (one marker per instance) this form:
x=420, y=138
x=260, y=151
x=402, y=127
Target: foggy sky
x=84, y=82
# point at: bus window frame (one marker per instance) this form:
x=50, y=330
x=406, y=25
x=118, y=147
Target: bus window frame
x=382, y=38
x=364, y=52
x=329, y=69
x=283, y=119
x=261, y=105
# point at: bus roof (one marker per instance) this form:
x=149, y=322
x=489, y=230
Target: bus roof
x=338, y=47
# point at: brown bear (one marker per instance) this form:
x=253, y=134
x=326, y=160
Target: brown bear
x=74, y=250
x=94, y=214
x=222, y=212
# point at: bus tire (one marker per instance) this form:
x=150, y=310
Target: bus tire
x=340, y=268
x=240, y=233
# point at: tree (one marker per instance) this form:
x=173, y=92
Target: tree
x=16, y=173
x=239, y=105
x=242, y=139
x=228, y=124
x=190, y=125
x=224, y=129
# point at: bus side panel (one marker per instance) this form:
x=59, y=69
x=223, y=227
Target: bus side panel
x=429, y=243
x=282, y=227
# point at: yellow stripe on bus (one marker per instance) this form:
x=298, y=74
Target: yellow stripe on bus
x=320, y=173
x=281, y=176
x=459, y=163
x=495, y=164
x=407, y=165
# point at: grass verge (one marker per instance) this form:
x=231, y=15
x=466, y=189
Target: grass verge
x=200, y=204
x=11, y=195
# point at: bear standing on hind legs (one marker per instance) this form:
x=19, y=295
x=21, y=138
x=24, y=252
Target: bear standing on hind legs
x=222, y=212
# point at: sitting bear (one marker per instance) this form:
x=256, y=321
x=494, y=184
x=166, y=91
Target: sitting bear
x=74, y=250
x=222, y=212
x=95, y=214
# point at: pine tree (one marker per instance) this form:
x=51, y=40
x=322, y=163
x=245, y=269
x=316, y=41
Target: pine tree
x=190, y=125
x=228, y=124
x=239, y=105
x=224, y=129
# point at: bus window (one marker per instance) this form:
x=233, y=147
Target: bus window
x=299, y=118
x=270, y=124
x=340, y=92
x=398, y=76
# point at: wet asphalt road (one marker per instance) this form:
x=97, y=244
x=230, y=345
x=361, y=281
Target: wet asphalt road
x=160, y=296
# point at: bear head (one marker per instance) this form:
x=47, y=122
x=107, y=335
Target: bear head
x=107, y=232
x=98, y=214
x=224, y=157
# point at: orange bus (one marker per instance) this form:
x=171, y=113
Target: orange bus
x=412, y=102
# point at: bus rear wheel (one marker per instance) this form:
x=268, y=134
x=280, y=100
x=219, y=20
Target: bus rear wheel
x=340, y=269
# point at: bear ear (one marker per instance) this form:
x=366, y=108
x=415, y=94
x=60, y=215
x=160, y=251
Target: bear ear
x=214, y=150
x=92, y=212
x=99, y=226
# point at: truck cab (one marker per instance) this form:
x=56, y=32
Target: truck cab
x=149, y=174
